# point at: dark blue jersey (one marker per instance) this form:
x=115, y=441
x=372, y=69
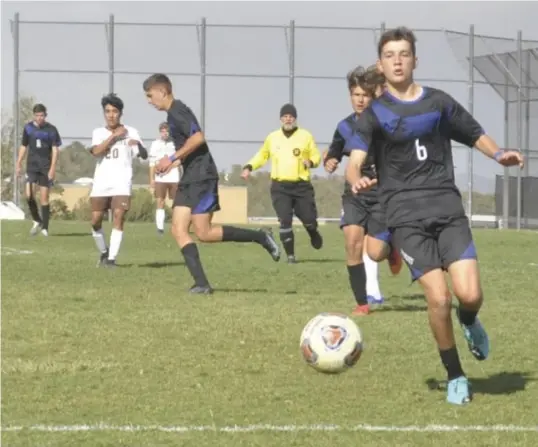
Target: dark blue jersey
x=340, y=147
x=411, y=145
x=39, y=142
x=199, y=165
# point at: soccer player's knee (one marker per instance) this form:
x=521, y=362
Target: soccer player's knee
x=470, y=295
x=310, y=225
x=440, y=303
x=286, y=225
x=353, y=247
x=203, y=234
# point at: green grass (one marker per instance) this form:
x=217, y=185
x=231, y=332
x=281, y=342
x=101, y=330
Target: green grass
x=82, y=345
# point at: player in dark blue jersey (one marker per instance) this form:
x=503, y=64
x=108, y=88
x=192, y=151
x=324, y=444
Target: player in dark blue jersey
x=408, y=130
x=361, y=214
x=197, y=197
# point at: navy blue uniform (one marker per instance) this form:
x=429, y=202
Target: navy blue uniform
x=364, y=209
x=198, y=186
x=39, y=142
x=411, y=145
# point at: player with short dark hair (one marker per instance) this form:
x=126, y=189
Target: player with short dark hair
x=362, y=220
x=41, y=141
x=115, y=145
x=197, y=197
x=293, y=152
x=409, y=130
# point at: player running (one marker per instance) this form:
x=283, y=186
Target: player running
x=115, y=146
x=409, y=131
x=362, y=221
x=198, y=195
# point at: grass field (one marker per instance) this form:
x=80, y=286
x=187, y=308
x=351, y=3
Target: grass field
x=131, y=350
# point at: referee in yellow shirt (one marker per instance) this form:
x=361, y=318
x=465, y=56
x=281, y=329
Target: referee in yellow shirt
x=293, y=152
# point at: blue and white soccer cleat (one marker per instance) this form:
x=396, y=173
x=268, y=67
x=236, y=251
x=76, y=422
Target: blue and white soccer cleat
x=477, y=339
x=374, y=299
x=459, y=391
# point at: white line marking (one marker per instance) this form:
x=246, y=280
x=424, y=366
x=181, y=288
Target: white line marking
x=273, y=428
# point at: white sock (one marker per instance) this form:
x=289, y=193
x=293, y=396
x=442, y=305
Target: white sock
x=159, y=218
x=115, y=242
x=372, y=277
x=99, y=238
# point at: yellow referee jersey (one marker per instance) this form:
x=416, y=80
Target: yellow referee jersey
x=287, y=155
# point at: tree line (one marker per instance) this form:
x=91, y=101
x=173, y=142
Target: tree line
x=75, y=162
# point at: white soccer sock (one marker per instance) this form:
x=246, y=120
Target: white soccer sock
x=99, y=238
x=372, y=277
x=115, y=243
x=159, y=219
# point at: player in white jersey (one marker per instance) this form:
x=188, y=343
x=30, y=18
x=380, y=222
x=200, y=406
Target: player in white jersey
x=115, y=146
x=165, y=183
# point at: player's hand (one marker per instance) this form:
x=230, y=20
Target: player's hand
x=330, y=165
x=245, y=174
x=510, y=158
x=119, y=132
x=163, y=165
x=307, y=164
x=363, y=184
x=51, y=174
x=18, y=171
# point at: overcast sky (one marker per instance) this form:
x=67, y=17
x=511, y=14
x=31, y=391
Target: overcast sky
x=246, y=108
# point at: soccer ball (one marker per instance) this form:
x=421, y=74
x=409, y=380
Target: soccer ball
x=331, y=343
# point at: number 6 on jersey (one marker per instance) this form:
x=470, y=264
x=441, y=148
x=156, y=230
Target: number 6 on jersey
x=422, y=152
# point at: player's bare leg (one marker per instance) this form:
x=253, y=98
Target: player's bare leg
x=465, y=279
x=354, y=239
x=181, y=222
x=373, y=291
x=439, y=302
x=99, y=236
x=207, y=232
x=44, y=194
x=379, y=250
x=32, y=205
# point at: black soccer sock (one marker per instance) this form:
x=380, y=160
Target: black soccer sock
x=192, y=259
x=32, y=205
x=451, y=362
x=467, y=317
x=234, y=234
x=288, y=241
x=357, y=280
x=45, y=213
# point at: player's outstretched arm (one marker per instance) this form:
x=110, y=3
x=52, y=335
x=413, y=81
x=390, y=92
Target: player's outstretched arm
x=260, y=158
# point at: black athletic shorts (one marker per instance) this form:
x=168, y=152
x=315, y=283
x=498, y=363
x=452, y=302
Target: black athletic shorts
x=200, y=197
x=291, y=198
x=39, y=178
x=434, y=243
x=364, y=211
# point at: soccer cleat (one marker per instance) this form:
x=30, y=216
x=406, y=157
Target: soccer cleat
x=477, y=338
x=361, y=310
x=459, y=391
x=110, y=263
x=44, y=233
x=35, y=229
x=201, y=290
x=394, y=260
x=271, y=245
x=316, y=240
x=160, y=232
x=292, y=260
x=103, y=257
x=375, y=300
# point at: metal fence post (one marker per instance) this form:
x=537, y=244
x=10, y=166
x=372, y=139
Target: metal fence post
x=110, y=47
x=519, y=120
x=526, y=141
x=16, y=106
x=506, y=171
x=203, y=68
x=470, y=151
x=291, y=54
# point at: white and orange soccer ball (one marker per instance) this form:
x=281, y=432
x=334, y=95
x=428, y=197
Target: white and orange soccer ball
x=331, y=343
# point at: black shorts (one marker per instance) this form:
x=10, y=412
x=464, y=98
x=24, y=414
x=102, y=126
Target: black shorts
x=200, y=197
x=434, y=243
x=291, y=198
x=39, y=178
x=364, y=211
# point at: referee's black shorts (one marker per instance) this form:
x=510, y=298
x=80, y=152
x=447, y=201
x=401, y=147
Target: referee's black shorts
x=291, y=198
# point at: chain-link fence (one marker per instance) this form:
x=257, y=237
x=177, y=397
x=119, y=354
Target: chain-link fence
x=236, y=77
